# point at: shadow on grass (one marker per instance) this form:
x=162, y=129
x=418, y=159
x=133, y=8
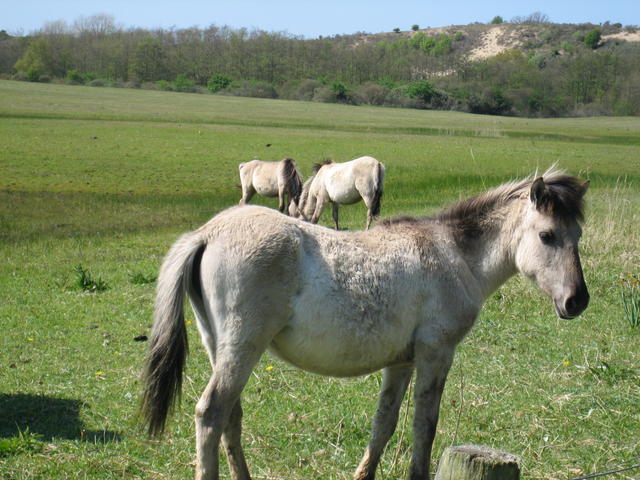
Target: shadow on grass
x=47, y=417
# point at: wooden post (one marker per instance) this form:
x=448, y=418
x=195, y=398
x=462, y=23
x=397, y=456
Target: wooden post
x=474, y=462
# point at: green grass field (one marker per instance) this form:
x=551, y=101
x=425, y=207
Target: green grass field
x=106, y=179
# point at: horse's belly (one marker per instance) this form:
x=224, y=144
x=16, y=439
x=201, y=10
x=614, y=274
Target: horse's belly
x=344, y=196
x=265, y=187
x=332, y=346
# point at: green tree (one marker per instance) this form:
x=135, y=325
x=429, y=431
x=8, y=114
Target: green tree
x=415, y=27
x=148, y=63
x=497, y=20
x=36, y=61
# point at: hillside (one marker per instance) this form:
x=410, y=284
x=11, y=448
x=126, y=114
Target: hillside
x=529, y=68
x=480, y=41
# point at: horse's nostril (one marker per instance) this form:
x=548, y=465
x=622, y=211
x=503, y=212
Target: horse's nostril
x=575, y=304
x=571, y=304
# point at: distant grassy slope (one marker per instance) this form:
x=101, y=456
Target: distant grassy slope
x=108, y=178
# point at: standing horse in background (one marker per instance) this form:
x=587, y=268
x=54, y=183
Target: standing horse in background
x=398, y=297
x=343, y=183
x=271, y=179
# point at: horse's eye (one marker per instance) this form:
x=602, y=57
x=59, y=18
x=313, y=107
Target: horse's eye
x=546, y=237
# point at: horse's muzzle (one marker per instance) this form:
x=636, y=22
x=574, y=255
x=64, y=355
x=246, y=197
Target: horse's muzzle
x=573, y=305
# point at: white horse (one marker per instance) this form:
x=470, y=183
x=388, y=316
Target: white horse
x=342, y=183
x=271, y=179
x=398, y=297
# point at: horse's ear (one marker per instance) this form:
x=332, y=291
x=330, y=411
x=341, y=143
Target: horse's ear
x=538, y=191
x=585, y=186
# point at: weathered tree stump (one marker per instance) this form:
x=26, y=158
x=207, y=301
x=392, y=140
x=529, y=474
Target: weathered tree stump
x=474, y=462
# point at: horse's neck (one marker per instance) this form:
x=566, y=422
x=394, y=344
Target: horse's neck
x=491, y=258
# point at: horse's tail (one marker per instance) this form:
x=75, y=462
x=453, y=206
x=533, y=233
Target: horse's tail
x=378, y=189
x=292, y=179
x=168, y=348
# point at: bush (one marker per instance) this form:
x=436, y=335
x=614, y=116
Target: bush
x=33, y=75
x=490, y=102
x=88, y=77
x=256, y=89
x=307, y=89
x=165, y=85
x=497, y=20
x=74, y=77
x=372, y=94
x=398, y=98
x=337, y=92
x=218, y=82
x=183, y=84
x=98, y=82
x=421, y=90
x=592, y=38
x=415, y=27
x=324, y=94
x=341, y=91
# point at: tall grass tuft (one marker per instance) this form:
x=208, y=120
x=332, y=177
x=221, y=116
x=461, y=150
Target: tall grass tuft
x=630, y=294
x=24, y=442
x=139, y=278
x=87, y=283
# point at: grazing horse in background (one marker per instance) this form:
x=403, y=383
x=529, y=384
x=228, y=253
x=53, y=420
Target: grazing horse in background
x=271, y=179
x=343, y=183
x=398, y=297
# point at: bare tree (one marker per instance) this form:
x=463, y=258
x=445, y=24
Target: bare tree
x=96, y=25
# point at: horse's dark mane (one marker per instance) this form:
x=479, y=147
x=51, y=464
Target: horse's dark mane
x=471, y=217
x=318, y=166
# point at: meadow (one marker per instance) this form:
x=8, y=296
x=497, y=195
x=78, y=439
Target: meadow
x=96, y=184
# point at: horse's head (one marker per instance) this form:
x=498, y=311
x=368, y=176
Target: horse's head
x=547, y=250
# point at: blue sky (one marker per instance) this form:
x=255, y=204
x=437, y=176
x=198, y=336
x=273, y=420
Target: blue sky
x=308, y=18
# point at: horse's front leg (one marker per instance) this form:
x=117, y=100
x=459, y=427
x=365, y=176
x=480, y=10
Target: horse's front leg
x=431, y=374
x=319, y=206
x=394, y=385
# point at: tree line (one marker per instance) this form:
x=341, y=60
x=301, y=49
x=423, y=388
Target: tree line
x=559, y=70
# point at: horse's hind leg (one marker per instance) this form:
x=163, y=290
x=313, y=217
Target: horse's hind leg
x=247, y=192
x=281, y=200
x=233, y=447
x=216, y=411
x=394, y=385
x=335, y=214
